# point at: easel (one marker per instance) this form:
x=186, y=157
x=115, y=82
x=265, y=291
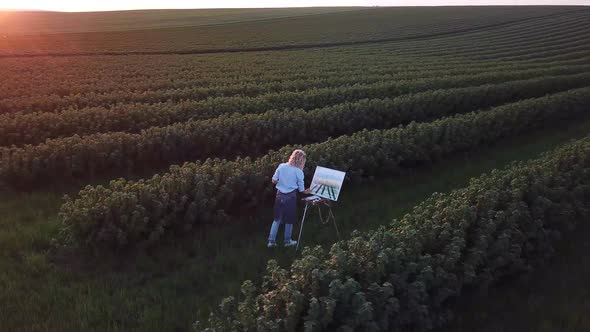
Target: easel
x=316, y=201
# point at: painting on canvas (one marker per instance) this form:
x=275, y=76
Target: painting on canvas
x=327, y=183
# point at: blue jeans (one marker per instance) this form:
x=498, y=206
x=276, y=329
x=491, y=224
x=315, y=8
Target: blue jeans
x=284, y=213
x=285, y=209
x=274, y=229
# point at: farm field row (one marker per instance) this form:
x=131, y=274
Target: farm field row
x=87, y=158
x=528, y=34
x=60, y=79
x=329, y=28
x=36, y=128
x=11, y=23
x=195, y=90
x=155, y=74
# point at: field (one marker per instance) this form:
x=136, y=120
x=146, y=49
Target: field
x=40, y=22
x=136, y=150
x=297, y=30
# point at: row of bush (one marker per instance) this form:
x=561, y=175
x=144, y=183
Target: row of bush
x=36, y=128
x=65, y=78
x=118, y=154
x=220, y=86
x=401, y=277
x=130, y=213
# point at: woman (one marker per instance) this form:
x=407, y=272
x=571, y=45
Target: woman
x=288, y=179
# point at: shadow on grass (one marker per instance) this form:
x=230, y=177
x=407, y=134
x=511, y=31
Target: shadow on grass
x=554, y=297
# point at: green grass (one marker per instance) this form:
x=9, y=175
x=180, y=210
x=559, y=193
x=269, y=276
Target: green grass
x=169, y=287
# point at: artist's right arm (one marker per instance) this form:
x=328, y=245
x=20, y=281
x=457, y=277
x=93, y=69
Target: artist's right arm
x=300, y=184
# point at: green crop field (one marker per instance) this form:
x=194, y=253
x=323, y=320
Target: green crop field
x=336, y=28
x=137, y=148
x=39, y=22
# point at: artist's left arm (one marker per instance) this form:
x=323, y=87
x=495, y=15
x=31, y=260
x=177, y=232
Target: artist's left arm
x=275, y=177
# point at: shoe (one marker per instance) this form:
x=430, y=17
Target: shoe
x=271, y=244
x=290, y=243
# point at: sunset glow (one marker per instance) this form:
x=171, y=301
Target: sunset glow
x=68, y=5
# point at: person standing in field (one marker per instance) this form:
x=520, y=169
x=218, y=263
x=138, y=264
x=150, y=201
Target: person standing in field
x=288, y=180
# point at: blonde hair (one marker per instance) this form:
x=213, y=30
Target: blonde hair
x=297, y=159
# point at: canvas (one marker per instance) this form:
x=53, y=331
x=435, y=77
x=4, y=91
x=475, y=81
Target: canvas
x=327, y=183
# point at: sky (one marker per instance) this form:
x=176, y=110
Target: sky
x=91, y=5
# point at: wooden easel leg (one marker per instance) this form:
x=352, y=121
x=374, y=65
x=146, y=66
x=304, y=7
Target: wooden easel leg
x=301, y=229
x=335, y=225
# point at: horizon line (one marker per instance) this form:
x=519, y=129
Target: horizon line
x=288, y=7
